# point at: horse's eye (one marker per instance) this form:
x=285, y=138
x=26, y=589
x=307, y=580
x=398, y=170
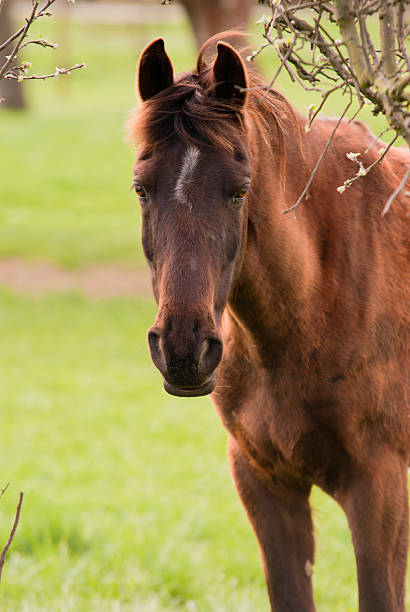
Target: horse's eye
x=140, y=191
x=241, y=193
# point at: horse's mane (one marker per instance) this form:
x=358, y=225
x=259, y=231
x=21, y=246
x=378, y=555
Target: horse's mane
x=188, y=110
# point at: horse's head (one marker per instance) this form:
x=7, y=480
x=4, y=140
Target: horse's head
x=192, y=175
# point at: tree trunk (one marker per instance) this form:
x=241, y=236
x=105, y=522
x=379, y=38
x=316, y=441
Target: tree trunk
x=212, y=16
x=10, y=90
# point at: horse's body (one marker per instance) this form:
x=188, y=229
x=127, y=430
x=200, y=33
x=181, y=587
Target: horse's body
x=312, y=313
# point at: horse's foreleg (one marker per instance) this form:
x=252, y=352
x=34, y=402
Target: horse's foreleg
x=280, y=516
x=376, y=505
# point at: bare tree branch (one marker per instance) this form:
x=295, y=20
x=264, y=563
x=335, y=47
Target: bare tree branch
x=345, y=14
x=401, y=32
x=12, y=532
x=387, y=43
x=9, y=69
x=395, y=193
x=319, y=61
x=43, y=77
x=362, y=170
x=23, y=34
x=6, y=486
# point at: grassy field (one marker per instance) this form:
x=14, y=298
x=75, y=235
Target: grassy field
x=128, y=500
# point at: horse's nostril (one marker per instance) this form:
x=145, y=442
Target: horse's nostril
x=153, y=339
x=155, y=350
x=210, y=356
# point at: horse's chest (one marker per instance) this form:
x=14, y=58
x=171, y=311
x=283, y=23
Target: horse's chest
x=281, y=439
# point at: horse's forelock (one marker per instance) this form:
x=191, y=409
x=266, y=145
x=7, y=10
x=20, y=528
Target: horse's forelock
x=189, y=111
x=186, y=110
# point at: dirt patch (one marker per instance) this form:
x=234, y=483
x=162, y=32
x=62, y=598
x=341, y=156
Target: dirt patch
x=100, y=281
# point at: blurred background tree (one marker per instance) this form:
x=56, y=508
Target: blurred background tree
x=213, y=16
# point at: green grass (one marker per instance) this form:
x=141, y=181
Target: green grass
x=128, y=499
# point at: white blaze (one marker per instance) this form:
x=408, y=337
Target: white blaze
x=188, y=166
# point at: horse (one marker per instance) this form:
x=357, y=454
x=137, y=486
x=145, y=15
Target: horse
x=297, y=327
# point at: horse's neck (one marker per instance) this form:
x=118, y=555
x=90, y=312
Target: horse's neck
x=279, y=266
x=283, y=285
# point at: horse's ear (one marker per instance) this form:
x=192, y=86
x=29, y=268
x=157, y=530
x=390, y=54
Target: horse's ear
x=229, y=75
x=155, y=71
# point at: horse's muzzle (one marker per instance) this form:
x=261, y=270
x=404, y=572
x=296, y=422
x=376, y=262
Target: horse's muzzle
x=188, y=365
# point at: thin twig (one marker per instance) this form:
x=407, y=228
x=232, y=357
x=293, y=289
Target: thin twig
x=4, y=69
x=305, y=192
x=43, y=77
x=12, y=532
x=39, y=41
x=365, y=171
x=4, y=490
x=376, y=138
x=21, y=33
x=401, y=35
x=289, y=49
x=325, y=96
x=395, y=193
x=12, y=37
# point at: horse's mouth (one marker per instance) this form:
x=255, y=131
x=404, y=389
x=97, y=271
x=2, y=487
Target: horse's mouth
x=204, y=389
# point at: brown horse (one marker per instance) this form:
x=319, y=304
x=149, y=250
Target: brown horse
x=298, y=327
